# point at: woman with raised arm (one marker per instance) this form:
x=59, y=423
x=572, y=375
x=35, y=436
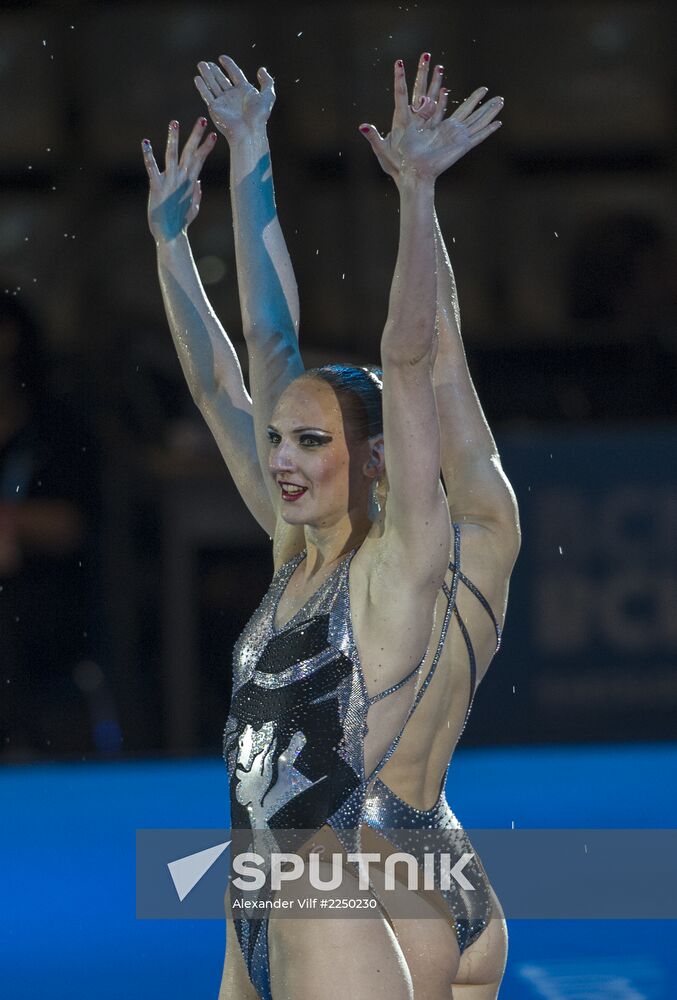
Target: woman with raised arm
x=268, y=295
x=485, y=518
x=428, y=961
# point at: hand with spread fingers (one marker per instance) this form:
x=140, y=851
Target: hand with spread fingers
x=421, y=139
x=174, y=198
x=235, y=105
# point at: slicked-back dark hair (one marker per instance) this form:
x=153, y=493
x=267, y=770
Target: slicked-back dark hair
x=359, y=390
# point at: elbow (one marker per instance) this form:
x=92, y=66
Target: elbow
x=405, y=351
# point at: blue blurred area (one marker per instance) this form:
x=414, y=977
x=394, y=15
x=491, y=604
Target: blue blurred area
x=68, y=850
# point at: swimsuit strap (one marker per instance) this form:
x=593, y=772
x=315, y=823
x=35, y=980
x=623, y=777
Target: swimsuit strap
x=393, y=687
x=451, y=599
x=464, y=631
x=481, y=598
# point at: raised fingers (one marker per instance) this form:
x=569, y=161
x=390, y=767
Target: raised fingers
x=200, y=155
x=421, y=81
x=478, y=119
x=233, y=70
x=401, y=116
x=440, y=108
x=265, y=79
x=436, y=83
x=192, y=142
x=470, y=103
x=149, y=162
x=171, y=152
x=377, y=143
x=213, y=79
x=203, y=90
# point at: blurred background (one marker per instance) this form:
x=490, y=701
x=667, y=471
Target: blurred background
x=128, y=564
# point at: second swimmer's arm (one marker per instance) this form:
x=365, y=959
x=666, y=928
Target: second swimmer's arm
x=208, y=359
x=476, y=485
x=268, y=293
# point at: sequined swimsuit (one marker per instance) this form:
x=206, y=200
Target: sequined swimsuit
x=294, y=744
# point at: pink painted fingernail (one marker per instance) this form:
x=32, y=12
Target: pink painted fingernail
x=400, y=64
x=440, y=69
x=364, y=128
x=145, y=142
x=212, y=136
x=174, y=125
x=203, y=122
x=426, y=56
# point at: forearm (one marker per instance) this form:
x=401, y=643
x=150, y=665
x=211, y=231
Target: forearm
x=410, y=328
x=213, y=373
x=207, y=356
x=267, y=287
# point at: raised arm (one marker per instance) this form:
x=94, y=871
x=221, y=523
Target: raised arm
x=477, y=488
x=266, y=283
x=417, y=530
x=207, y=356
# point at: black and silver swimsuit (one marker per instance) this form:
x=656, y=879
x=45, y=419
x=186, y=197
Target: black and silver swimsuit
x=295, y=740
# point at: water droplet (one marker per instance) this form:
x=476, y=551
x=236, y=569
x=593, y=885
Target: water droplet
x=557, y=235
x=560, y=550
x=299, y=34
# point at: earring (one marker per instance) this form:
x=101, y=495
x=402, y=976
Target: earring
x=374, y=511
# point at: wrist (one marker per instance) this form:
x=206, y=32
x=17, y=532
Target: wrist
x=166, y=245
x=411, y=179
x=254, y=137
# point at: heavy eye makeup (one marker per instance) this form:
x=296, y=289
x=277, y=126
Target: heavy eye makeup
x=307, y=439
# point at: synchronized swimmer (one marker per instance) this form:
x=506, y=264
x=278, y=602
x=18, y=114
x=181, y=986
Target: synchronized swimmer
x=389, y=580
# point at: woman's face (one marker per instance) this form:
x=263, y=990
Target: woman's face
x=318, y=470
